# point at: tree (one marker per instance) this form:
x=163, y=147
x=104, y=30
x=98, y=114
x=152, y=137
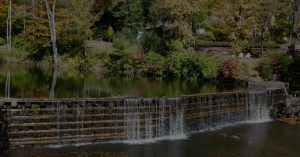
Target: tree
x=175, y=15
x=110, y=32
x=52, y=27
x=78, y=16
x=294, y=5
x=263, y=14
x=9, y=27
x=3, y=21
x=129, y=16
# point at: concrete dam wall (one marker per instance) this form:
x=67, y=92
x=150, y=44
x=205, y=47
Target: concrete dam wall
x=36, y=122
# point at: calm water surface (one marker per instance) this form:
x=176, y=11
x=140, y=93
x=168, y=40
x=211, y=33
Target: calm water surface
x=34, y=82
x=271, y=139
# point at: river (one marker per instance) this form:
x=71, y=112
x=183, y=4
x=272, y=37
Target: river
x=255, y=139
x=270, y=139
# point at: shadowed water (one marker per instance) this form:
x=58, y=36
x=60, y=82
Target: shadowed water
x=272, y=139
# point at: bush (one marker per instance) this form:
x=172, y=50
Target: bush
x=232, y=69
x=173, y=65
x=23, y=47
x=121, y=60
x=2, y=41
x=210, y=66
x=266, y=72
x=244, y=72
x=154, y=64
x=21, y=43
x=275, y=64
x=153, y=43
x=94, y=56
x=192, y=66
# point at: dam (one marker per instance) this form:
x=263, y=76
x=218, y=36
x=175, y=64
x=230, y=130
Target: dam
x=43, y=122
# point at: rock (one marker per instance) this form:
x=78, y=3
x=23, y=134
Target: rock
x=248, y=56
x=224, y=135
x=235, y=137
x=241, y=56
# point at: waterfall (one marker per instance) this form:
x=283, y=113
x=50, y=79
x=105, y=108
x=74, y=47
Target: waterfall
x=132, y=119
x=258, y=106
x=149, y=134
x=176, y=121
x=147, y=120
x=161, y=130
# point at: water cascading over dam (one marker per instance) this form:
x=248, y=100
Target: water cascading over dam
x=30, y=122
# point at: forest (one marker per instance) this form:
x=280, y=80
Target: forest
x=157, y=38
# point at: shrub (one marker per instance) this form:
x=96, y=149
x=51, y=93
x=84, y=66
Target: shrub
x=266, y=72
x=153, y=43
x=21, y=43
x=210, y=66
x=192, y=66
x=2, y=41
x=228, y=68
x=154, y=64
x=23, y=47
x=173, y=64
x=121, y=60
x=244, y=72
x=275, y=63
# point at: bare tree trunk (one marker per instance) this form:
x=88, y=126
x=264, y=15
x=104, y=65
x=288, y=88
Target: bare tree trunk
x=51, y=22
x=53, y=84
x=240, y=23
x=24, y=17
x=9, y=27
x=294, y=4
x=262, y=39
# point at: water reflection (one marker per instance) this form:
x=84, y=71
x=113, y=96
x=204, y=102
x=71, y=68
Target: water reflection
x=256, y=136
x=7, y=84
x=35, y=82
x=53, y=84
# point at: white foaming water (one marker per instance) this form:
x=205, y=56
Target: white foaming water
x=154, y=140
x=145, y=121
x=258, y=107
x=132, y=119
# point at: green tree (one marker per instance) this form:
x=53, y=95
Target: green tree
x=75, y=25
x=294, y=5
x=129, y=15
x=110, y=32
x=176, y=16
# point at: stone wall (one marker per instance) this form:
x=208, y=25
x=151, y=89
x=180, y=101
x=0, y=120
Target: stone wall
x=3, y=133
x=72, y=121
